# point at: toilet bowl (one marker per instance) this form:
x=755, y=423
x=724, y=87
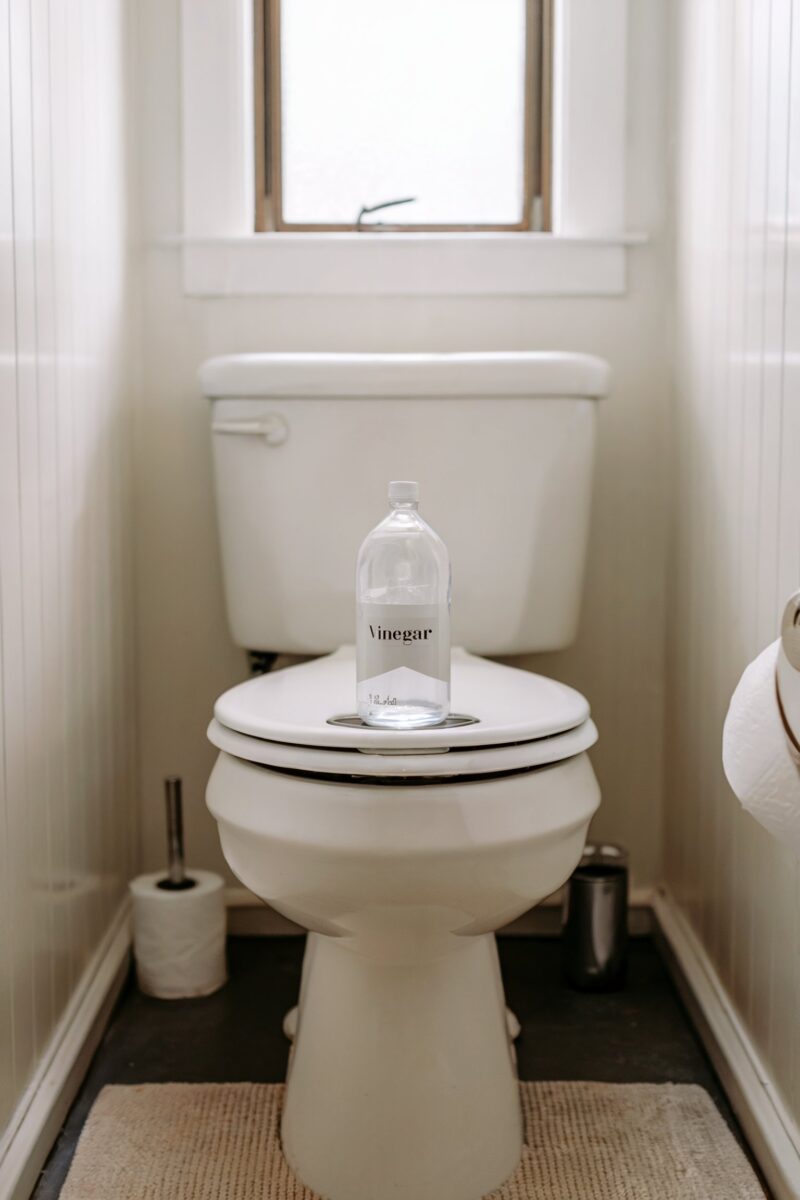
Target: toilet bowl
x=402, y=852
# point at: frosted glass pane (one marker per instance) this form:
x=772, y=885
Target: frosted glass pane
x=388, y=98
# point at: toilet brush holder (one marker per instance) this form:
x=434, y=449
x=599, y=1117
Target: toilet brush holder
x=595, y=934
x=179, y=923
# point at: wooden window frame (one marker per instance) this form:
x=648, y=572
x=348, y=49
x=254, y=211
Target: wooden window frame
x=537, y=171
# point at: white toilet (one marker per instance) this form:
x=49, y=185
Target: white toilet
x=402, y=852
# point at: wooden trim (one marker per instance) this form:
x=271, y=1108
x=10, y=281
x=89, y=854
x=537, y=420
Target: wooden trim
x=268, y=132
x=282, y=226
x=546, y=118
x=259, y=111
x=273, y=167
x=40, y=1113
x=532, y=114
x=770, y=1128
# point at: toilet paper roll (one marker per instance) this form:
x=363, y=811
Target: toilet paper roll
x=761, y=764
x=179, y=936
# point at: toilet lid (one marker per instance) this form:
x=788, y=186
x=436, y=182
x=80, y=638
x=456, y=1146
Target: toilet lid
x=465, y=763
x=508, y=706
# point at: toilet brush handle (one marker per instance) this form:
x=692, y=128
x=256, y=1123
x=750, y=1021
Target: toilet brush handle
x=174, y=802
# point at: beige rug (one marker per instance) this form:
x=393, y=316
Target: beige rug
x=584, y=1141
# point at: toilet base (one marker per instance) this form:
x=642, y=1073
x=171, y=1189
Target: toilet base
x=290, y=1024
x=401, y=1082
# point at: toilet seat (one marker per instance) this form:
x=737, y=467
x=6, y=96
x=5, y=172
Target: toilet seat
x=282, y=720
x=475, y=760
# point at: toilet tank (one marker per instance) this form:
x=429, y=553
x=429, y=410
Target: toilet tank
x=502, y=445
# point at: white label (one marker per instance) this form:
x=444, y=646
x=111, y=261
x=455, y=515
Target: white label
x=401, y=641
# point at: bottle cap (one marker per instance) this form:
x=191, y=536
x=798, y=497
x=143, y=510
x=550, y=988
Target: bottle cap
x=403, y=491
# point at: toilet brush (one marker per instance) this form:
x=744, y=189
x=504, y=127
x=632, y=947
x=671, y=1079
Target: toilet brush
x=176, y=880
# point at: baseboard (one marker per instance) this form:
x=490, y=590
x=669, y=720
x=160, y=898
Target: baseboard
x=38, y=1117
x=768, y=1126
x=250, y=917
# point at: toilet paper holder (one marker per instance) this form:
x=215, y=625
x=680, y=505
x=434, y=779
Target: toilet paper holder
x=788, y=670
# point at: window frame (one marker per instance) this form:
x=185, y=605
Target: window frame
x=584, y=254
x=268, y=142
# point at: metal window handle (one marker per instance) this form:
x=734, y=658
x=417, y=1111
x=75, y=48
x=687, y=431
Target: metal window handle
x=272, y=427
x=365, y=211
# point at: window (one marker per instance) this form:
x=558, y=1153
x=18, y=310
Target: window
x=402, y=115
x=576, y=164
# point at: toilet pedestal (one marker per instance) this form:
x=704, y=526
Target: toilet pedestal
x=401, y=1083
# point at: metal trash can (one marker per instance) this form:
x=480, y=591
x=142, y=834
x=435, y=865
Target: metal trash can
x=595, y=920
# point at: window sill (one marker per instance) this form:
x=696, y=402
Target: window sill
x=406, y=264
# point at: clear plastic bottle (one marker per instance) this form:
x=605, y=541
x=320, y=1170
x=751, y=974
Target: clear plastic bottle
x=403, y=619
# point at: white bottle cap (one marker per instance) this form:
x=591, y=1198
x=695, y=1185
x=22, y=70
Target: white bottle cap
x=404, y=491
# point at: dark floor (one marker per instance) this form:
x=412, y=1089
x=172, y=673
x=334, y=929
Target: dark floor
x=641, y=1034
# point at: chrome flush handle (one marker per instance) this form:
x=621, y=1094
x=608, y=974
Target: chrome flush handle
x=272, y=427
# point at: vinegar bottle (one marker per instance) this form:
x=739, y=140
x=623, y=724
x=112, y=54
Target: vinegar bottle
x=403, y=619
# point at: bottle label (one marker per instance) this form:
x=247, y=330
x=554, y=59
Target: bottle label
x=409, y=637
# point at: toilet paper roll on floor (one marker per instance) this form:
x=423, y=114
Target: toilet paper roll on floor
x=762, y=766
x=179, y=935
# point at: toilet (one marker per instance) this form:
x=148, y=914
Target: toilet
x=402, y=852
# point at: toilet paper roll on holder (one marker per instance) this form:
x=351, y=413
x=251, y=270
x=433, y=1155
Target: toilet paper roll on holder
x=788, y=670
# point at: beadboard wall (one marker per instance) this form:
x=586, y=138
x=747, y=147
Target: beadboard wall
x=67, y=786
x=737, y=538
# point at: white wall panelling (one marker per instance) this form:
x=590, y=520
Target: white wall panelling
x=67, y=783
x=737, y=536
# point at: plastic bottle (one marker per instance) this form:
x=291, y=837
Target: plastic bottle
x=403, y=619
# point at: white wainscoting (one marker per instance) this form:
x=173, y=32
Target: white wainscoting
x=67, y=777
x=737, y=536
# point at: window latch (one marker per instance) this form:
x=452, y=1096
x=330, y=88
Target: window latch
x=365, y=210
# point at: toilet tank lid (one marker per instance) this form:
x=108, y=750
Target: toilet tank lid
x=493, y=373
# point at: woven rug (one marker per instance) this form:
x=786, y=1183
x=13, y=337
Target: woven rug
x=584, y=1141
